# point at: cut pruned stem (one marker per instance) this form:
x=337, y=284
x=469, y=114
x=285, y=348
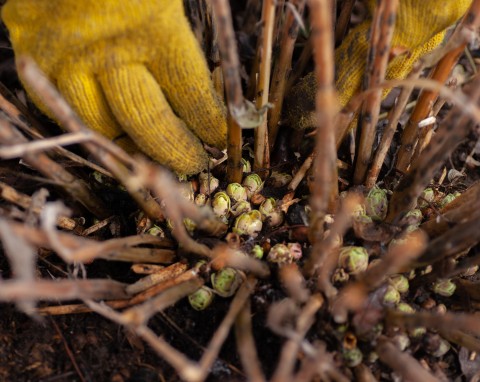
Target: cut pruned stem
x=447, y=138
x=262, y=148
x=469, y=23
x=233, y=87
x=282, y=68
x=325, y=188
x=382, y=33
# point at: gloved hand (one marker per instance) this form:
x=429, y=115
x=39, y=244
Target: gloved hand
x=419, y=28
x=128, y=66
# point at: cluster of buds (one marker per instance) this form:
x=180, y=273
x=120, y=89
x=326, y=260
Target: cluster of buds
x=285, y=254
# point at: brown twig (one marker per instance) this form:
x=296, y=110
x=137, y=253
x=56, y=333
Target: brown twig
x=387, y=137
x=282, y=68
x=441, y=73
x=20, y=116
x=264, y=50
x=378, y=55
x=14, y=291
x=233, y=87
x=453, y=241
x=450, y=133
x=325, y=187
x=402, y=363
x=305, y=319
x=10, y=194
x=246, y=345
x=343, y=21
x=76, y=187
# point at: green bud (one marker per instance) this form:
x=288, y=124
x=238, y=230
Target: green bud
x=444, y=287
x=257, y=252
x=279, y=254
x=253, y=184
x=189, y=225
x=201, y=199
x=353, y=259
x=270, y=211
x=248, y=223
x=427, y=196
x=405, y=308
x=279, y=179
x=391, y=296
x=156, y=231
x=241, y=207
x=236, y=192
x=376, y=204
x=226, y=281
x=201, y=299
x=414, y=217
x=399, y=282
x=352, y=357
x=208, y=183
x=448, y=199
x=246, y=165
x=221, y=205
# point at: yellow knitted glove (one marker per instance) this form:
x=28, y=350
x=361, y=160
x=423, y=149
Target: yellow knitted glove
x=126, y=66
x=419, y=28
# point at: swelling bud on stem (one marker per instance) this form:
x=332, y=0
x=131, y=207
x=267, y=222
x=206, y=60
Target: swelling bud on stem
x=201, y=299
x=353, y=259
x=376, y=204
x=226, y=281
x=253, y=184
x=271, y=212
x=208, y=183
x=221, y=205
x=236, y=192
x=248, y=223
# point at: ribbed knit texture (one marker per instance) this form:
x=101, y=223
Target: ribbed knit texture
x=420, y=28
x=132, y=66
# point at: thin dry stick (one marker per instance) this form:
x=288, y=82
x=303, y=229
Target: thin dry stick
x=300, y=65
x=441, y=73
x=76, y=187
x=393, y=118
x=261, y=148
x=101, y=289
x=459, y=238
x=402, y=363
x=451, y=132
x=246, y=345
x=21, y=149
x=282, y=68
x=455, y=212
x=325, y=187
x=343, y=20
x=426, y=131
x=423, y=107
x=286, y=364
x=378, y=54
x=108, y=154
x=19, y=115
x=10, y=194
x=233, y=87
